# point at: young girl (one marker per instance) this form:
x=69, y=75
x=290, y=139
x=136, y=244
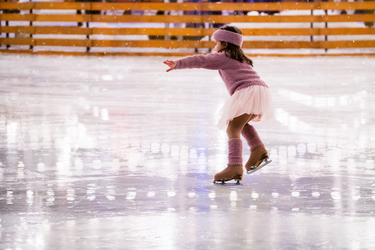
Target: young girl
x=250, y=99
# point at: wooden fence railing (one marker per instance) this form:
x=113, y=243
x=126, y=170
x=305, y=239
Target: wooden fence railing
x=182, y=28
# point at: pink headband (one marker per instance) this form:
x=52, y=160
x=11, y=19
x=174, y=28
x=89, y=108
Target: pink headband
x=227, y=36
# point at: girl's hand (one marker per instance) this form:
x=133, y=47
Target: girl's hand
x=171, y=64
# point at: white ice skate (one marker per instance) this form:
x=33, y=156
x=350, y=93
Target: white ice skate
x=260, y=164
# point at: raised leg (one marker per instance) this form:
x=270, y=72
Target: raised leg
x=257, y=150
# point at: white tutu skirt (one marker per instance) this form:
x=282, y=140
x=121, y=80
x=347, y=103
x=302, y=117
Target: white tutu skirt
x=254, y=100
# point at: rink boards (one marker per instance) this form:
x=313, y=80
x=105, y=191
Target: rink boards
x=185, y=28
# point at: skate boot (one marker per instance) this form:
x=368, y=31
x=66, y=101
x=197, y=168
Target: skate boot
x=234, y=171
x=258, y=159
x=229, y=173
x=258, y=153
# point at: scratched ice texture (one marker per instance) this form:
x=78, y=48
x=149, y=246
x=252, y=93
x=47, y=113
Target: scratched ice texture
x=115, y=153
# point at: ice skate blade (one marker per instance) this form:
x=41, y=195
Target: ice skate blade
x=264, y=163
x=228, y=183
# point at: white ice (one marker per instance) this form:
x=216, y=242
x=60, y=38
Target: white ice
x=115, y=153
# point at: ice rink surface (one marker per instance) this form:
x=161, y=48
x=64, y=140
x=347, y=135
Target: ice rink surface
x=114, y=153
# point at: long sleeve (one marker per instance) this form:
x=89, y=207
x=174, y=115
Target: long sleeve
x=235, y=74
x=215, y=61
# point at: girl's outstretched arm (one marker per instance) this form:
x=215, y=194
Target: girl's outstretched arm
x=171, y=64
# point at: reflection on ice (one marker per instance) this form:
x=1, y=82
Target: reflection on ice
x=109, y=155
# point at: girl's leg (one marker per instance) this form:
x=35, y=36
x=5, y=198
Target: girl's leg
x=234, y=169
x=257, y=150
x=236, y=126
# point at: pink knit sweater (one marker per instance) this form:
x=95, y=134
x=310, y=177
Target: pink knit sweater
x=236, y=75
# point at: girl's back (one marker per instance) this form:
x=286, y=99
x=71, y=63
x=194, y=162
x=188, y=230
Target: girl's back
x=235, y=74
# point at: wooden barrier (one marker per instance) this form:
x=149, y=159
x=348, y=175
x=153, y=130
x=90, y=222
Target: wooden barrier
x=51, y=27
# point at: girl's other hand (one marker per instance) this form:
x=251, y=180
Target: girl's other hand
x=171, y=64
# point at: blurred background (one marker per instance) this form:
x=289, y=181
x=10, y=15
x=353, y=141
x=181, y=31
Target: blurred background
x=157, y=27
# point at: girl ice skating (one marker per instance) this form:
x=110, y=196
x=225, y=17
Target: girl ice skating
x=250, y=100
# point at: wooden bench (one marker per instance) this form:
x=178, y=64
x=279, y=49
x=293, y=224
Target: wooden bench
x=296, y=28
